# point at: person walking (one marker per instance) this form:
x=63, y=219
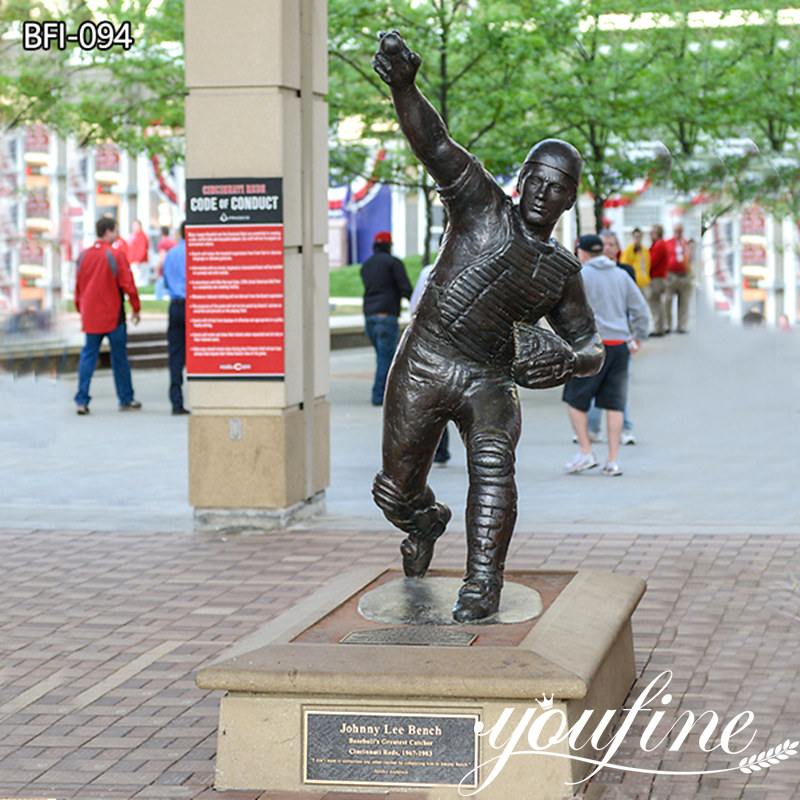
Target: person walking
x=622, y=321
x=385, y=283
x=102, y=275
x=611, y=250
x=174, y=271
x=165, y=244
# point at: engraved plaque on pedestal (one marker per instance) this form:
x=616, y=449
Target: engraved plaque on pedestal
x=428, y=635
x=366, y=748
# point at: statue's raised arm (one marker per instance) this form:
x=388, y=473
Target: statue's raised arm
x=424, y=129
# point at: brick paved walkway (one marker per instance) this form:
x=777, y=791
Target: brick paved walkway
x=101, y=634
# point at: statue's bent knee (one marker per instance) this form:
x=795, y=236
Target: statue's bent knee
x=420, y=516
x=492, y=456
x=390, y=499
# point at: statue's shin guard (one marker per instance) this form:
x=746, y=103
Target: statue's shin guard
x=491, y=509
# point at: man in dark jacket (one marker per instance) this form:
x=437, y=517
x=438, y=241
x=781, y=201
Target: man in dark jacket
x=385, y=282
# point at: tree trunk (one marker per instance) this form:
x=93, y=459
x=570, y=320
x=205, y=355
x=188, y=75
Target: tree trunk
x=598, y=213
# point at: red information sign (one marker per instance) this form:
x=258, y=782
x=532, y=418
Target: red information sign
x=234, y=283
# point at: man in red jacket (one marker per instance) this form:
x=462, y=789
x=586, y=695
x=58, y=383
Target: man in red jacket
x=659, y=263
x=679, y=279
x=102, y=274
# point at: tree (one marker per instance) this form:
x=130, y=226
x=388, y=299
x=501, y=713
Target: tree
x=130, y=96
x=472, y=64
x=590, y=91
x=730, y=108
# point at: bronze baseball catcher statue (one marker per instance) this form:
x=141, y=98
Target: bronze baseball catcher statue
x=472, y=337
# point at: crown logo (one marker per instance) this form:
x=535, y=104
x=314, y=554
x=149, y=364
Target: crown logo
x=546, y=702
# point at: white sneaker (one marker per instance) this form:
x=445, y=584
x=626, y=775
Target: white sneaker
x=612, y=468
x=628, y=437
x=580, y=463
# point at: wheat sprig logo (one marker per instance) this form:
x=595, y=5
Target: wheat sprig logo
x=769, y=757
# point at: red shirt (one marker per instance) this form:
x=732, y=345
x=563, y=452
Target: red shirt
x=99, y=283
x=678, y=250
x=165, y=244
x=138, y=245
x=659, y=259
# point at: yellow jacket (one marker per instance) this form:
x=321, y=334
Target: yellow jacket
x=640, y=262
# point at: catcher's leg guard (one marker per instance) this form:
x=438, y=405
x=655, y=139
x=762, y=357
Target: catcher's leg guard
x=491, y=513
x=420, y=516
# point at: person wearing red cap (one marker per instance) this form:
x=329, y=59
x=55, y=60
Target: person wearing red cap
x=385, y=283
x=473, y=337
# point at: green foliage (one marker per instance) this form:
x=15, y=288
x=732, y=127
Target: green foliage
x=503, y=74
x=131, y=97
x=472, y=66
x=658, y=91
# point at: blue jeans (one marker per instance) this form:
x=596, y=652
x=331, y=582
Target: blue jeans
x=176, y=351
x=118, y=339
x=384, y=333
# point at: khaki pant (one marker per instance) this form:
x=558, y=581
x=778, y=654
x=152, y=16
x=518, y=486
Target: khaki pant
x=679, y=284
x=655, y=299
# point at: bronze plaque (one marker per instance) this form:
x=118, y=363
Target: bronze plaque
x=417, y=635
x=372, y=748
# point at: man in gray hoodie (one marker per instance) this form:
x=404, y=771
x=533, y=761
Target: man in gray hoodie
x=623, y=321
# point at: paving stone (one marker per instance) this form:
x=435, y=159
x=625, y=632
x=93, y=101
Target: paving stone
x=154, y=734
x=717, y=544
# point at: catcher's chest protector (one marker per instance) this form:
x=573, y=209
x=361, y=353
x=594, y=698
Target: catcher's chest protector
x=521, y=281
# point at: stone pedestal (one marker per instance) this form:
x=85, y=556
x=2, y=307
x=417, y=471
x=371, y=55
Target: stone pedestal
x=305, y=711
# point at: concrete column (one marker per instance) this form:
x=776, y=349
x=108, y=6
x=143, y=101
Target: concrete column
x=18, y=230
x=771, y=280
x=127, y=200
x=737, y=302
x=790, y=269
x=90, y=218
x=256, y=71
x=143, y=193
